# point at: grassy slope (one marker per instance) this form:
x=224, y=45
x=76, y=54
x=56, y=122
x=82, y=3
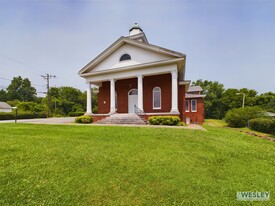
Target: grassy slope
x=82, y=165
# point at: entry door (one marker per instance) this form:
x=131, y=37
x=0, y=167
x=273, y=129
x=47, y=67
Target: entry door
x=132, y=100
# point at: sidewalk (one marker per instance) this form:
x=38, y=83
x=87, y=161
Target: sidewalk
x=70, y=120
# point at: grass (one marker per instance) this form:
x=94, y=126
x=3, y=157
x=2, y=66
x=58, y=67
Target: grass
x=83, y=165
x=221, y=123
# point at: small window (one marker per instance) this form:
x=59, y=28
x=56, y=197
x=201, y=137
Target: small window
x=125, y=57
x=193, y=105
x=156, y=98
x=187, y=105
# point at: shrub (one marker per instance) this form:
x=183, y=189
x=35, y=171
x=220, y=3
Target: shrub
x=7, y=115
x=25, y=115
x=21, y=115
x=239, y=117
x=164, y=120
x=266, y=125
x=76, y=114
x=84, y=119
x=40, y=115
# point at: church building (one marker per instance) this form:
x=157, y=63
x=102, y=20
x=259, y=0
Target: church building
x=134, y=76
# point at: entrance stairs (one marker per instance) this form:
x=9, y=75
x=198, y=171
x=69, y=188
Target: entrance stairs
x=122, y=119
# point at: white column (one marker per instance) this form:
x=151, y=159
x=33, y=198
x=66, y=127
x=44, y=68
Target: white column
x=140, y=92
x=112, y=97
x=89, y=99
x=174, y=108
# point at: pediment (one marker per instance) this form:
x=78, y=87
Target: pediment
x=140, y=53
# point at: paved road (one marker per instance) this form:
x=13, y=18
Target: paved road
x=59, y=120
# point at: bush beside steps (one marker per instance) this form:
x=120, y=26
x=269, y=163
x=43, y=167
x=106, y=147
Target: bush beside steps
x=84, y=120
x=165, y=120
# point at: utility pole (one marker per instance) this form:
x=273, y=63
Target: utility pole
x=47, y=77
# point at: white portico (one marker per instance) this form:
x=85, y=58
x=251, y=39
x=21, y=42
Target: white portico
x=152, y=73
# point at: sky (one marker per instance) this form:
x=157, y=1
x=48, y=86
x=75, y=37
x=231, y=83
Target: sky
x=229, y=41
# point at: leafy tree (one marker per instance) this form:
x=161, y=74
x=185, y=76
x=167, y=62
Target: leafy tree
x=263, y=99
x=21, y=89
x=67, y=99
x=250, y=95
x=31, y=107
x=3, y=95
x=271, y=105
x=213, y=105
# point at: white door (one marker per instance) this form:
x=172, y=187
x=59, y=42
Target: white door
x=132, y=100
x=187, y=121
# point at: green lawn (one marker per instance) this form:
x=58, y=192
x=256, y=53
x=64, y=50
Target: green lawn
x=84, y=165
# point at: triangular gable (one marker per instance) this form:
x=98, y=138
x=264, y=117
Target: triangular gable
x=141, y=53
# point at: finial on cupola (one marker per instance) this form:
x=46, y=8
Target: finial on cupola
x=135, y=30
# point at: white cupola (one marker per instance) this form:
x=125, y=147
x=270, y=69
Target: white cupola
x=135, y=30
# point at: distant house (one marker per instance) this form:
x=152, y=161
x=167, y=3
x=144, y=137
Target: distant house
x=134, y=75
x=194, y=108
x=4, y=107
x=270, y=114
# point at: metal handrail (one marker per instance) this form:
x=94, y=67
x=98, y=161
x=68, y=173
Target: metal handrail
x=138, y=111
x=141, y=113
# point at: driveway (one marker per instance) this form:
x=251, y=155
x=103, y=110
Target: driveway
x=59, y=120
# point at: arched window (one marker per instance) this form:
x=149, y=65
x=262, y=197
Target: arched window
x=133, y=92
x=125, y=57
x=156, y=98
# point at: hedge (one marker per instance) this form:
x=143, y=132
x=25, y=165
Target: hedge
x=164, y=120
x=84, y=119
x=21, y=115
x=266, y=125
x=239, y=117
x=76, y=114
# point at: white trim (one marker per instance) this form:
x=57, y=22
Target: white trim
x=188, y=106
x=174, y=108
x=131, y=73
x=134, y=67
x=89, y=99
x=125, y=59
x=112, y=96
x=132, y=90
x=195, y=110
x=154, y=98
x=140, y=92
x=124, y=40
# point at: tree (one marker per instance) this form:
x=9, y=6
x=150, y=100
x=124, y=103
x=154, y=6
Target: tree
x=263, y=99
x=213, y=106
x=271, y=105
x=67, y=99
x=21, y=89
x=3, y=95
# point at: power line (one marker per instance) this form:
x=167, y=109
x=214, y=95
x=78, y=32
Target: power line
x=4, y=87
x=47, y=77
x=5, y=79
x=19, y=62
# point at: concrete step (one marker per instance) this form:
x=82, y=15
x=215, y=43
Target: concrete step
x=122, y=119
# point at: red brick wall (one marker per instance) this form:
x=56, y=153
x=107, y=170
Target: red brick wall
x=195, y=116
x=124, y=86
x=181, y=101
x=104, y=98
x=164, y=82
